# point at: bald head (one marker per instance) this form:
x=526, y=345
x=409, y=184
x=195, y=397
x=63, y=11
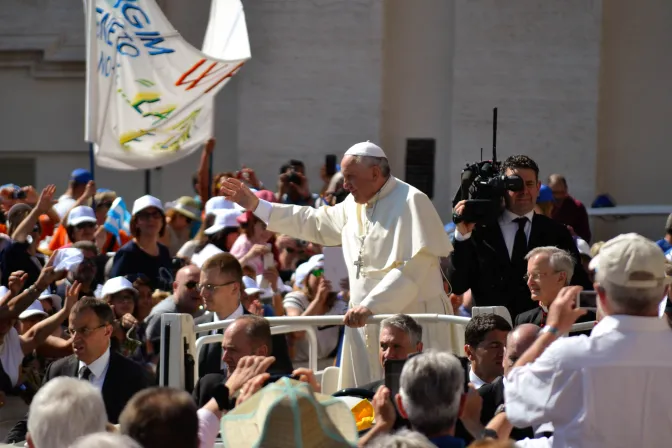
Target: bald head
x=185, y=289
x=518, y=340
x=558, y=185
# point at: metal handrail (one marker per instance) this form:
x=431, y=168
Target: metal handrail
x=337, y=320
x=311, y=336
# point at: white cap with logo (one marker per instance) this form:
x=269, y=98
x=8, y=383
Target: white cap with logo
x=632, y=261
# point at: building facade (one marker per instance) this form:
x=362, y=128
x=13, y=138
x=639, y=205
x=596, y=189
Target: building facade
x=582, y=86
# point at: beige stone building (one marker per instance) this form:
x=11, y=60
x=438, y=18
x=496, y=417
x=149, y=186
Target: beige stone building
x=582, y=86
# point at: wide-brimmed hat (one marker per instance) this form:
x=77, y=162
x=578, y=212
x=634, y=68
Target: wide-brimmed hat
x=288, y=413
x=185, y=206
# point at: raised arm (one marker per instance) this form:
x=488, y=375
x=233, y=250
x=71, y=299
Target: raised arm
x=322, y=226
x=41, y=331
x=204, y=171
x=43, y=205
x=89, y=192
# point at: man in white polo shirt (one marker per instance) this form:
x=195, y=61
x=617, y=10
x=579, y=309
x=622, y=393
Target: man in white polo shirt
x=609, y=389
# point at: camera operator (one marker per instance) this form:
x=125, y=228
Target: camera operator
x=489, y=257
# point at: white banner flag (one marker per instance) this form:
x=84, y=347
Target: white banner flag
x=150, y=95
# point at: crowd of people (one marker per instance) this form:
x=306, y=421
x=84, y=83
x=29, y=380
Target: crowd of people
x=82, y=298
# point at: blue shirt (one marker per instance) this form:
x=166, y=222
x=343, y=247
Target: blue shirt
x=664, y=245
x=447, y=442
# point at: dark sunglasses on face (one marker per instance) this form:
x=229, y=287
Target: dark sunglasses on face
x=191, y=285
x=147, y=215
x=318, y=272
x=85, y=225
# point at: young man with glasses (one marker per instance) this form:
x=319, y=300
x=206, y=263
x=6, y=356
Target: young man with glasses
x=221, y=286
x=118, y=378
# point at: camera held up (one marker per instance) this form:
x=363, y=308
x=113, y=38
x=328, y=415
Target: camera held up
x=484, y=187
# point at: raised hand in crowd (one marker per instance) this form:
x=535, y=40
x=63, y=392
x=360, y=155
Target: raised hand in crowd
x=259, y=250
x=306, y=375
x=16, y=281
x=385, y=414
x=252, y=387
x=248, y=175
x=72, y=295
x=46, y=199
x=247, y=368
x=49, y=275
x=563, y=312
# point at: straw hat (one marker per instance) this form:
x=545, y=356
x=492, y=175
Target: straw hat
x=288, y=414
x=186, y=206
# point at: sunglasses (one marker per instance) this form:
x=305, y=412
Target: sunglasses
x=191, y=285
x=147, y=215
x=318, y=272
x=85, y=225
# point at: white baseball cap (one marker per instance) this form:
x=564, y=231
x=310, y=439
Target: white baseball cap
x=632, y=261
x=117, y=284
x=220, y=203
x=145, y=202
x=81, y=214
x=35, y=309
x=303, y=270
x=224, y=218
x=56, y=300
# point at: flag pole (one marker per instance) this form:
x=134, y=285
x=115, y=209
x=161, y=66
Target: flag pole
x=148, y=181
x=92, y=162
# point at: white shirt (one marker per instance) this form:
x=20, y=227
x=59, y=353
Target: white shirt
x=11, y=355
x=239, y=312
x=64, y=205
x=98, y=369
x=609, y=389
x=475, y=380
x=508, y=228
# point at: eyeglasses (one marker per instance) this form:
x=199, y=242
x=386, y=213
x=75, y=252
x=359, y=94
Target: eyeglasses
x=84, y=331
x=147, y=215
x=213, y=288
x=318, y=272
x=536, y=276
x=85, y=225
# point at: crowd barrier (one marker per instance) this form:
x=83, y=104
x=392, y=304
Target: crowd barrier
x=181, y=344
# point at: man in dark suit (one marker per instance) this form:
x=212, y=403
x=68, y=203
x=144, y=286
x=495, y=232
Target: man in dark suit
x=221, y=280
x=249, y=335
x=518, y=340
x=118, y=378
x=489, y=257
x=549, y=269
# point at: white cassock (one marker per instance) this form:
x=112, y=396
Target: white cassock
x=400, y=270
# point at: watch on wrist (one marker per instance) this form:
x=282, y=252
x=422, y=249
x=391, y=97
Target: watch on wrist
x=221, y=396
x=489, y=434
x=550, y=329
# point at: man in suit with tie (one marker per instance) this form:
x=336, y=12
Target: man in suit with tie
x=220, y=287
x=118, y=378
x=489, y=257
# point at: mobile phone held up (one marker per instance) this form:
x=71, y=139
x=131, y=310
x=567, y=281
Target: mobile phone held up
x=330, y=164
x=587, y=300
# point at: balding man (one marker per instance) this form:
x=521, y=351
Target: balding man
x=185, y=299
x=568, y=210
x=518, y=340
x=249, y=335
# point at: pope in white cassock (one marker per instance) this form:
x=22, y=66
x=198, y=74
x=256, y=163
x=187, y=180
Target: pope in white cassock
x=392, y=238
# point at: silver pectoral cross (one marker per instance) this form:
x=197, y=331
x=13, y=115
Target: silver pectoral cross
x=359, y=265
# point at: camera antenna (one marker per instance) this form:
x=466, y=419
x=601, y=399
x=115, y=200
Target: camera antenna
x=494, y=135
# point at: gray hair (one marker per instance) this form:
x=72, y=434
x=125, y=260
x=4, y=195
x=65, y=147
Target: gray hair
x=401, y=439
x=431, y=386
x=560, y=260
x=629, y=300
x=105, y=440
x=380, y=162
x=63, y=410
x=406, y=324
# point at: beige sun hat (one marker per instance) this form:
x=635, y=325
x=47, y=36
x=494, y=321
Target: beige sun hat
x=289, y=414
